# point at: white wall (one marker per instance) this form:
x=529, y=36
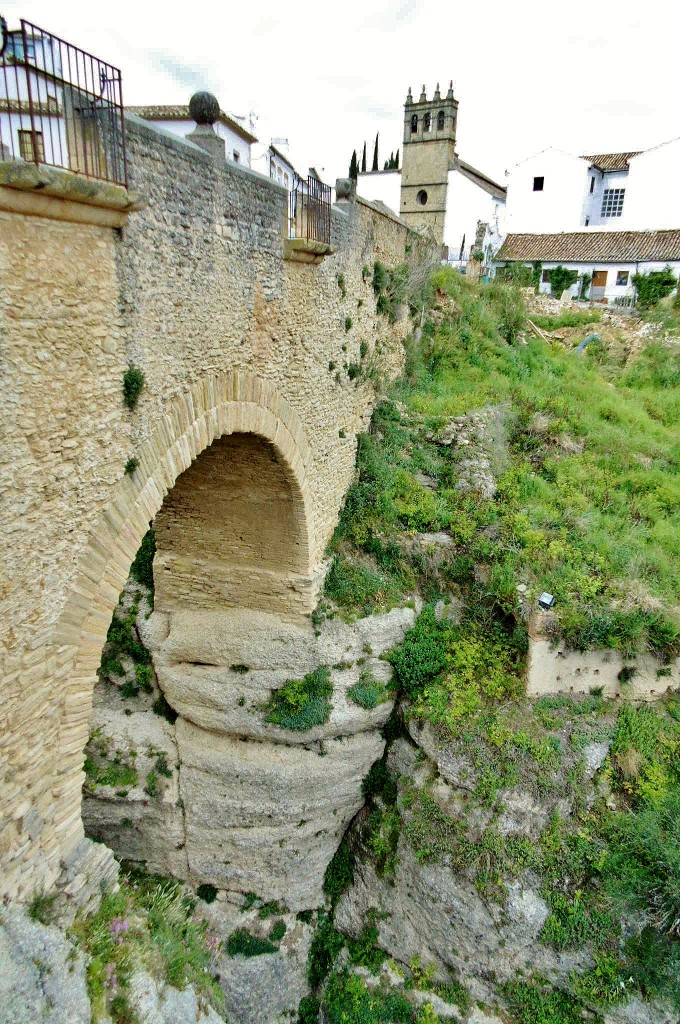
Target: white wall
x=612, y=290
x=652, y=194
x=559, y=207
x=234, y=142
x=593, y=200
x=467, y=203
x=382, y=185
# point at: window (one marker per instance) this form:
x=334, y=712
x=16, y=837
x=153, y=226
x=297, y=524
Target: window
x=237, y=156
x=546, y=277
x=414, y=124
x=26, y=147
x=538, y=184
x=612, y=202
x=622, y=277
x=592, y=185
x=421, y=198
x=440, y=121
x=427, y=121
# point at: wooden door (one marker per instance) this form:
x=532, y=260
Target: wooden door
x=597, y=288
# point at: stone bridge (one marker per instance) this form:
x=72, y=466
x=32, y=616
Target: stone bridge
x=240, y=448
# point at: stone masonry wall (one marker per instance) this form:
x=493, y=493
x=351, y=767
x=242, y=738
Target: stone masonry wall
x=232, y=339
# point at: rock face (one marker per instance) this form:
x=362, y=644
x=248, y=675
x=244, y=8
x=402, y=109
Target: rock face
x=240, y=803
x=42, y=977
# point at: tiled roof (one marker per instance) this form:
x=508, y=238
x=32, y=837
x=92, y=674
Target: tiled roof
x=488, y=184
x=177, y=112
x=610, y=161
x=593, y=246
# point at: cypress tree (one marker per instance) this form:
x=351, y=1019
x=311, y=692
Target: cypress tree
x=396, y=161
x=353, y=166
x=375, y=155
x=363, y=159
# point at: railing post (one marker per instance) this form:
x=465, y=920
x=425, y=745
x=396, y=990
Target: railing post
x=34, y=136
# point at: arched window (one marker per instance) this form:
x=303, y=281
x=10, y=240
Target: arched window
x=427, y=121
x=440, y=121
x=414, y=124
x=421, y=198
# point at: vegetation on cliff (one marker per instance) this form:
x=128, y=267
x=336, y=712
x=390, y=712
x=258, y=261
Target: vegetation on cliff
x=577, y=494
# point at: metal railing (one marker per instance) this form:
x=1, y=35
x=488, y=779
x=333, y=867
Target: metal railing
x=60, y=105
x=309, y=210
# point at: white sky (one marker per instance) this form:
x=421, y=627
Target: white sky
x=584, y=76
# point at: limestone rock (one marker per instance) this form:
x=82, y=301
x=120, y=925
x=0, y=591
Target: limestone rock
x=42, y=976
x=282, y=810
x=157, y=1003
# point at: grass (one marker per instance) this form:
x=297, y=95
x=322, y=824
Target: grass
x=302, y=704
x=588, y=499
x=149, y=924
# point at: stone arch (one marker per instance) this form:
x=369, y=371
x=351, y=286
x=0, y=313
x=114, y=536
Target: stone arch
x=238, y=402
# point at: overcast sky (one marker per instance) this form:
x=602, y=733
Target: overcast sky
x=585, y=76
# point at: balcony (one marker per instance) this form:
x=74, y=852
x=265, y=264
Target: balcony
x=60, y=107
x=309, y=221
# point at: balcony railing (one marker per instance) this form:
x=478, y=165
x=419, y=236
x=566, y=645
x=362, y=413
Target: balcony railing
x=309, y=210
x=60, y=105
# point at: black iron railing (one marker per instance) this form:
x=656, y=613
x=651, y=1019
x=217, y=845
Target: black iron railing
x=60, y=105
x=309, y=210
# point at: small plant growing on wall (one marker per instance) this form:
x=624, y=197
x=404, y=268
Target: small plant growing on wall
x=130, y=466
x=133, y=382
x=341, y=284
x=348, y=324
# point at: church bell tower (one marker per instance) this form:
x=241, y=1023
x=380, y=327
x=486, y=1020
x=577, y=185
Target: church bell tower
x=428, y=155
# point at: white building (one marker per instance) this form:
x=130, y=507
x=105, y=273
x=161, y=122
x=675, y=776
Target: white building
x=177, y=119
x=436, y=190
x=607, y=215
x=274, y=161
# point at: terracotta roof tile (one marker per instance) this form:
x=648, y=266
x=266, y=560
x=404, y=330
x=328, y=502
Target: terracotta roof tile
x=589, y=246
x=611, y=161
x=177, y=112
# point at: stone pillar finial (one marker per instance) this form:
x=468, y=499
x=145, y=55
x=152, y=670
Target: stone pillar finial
x=423, y=97
x=204, y=108
x=449, y=94
x=409, y=98
x=345, y=190
x=437, y=95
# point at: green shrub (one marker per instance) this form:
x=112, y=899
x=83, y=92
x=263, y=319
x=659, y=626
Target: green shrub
x=242, y=943
x=207, y=892
x=348, y=324
x=367, y=692
x=161, y=707
x=536, y=1002
x=41, y=907
x=561, y=278
x=278, y=930
x=130, y=466
x=347, y=1000
x=308, y=1010
x=302, y=704
x=654, y=286
x=340, y=871
x=133, y=382
x=142, y=567
x=323, y=951
x=151, y=787
x=423, y=655
x=358, y=588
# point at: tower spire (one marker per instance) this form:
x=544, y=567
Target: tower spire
x=423, y=97
x=449, y=94
x=409, y=98
x=437, y=95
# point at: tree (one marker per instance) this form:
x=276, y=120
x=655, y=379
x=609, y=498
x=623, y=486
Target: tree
x=375, y=155
x=353, y=166
x=363, y=159
x=654, y=286
x=396, y=161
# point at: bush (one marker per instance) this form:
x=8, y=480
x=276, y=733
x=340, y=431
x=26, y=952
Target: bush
x=302, y=704
x=133, y=382
x=242, y=943
x=368, y=692
x=537, y=1003
x=654, y=286
x=142, y=567
x=340, y=872
x=325, y=947
x=560, y=279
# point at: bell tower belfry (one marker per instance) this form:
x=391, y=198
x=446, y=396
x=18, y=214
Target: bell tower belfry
x=428, y=155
